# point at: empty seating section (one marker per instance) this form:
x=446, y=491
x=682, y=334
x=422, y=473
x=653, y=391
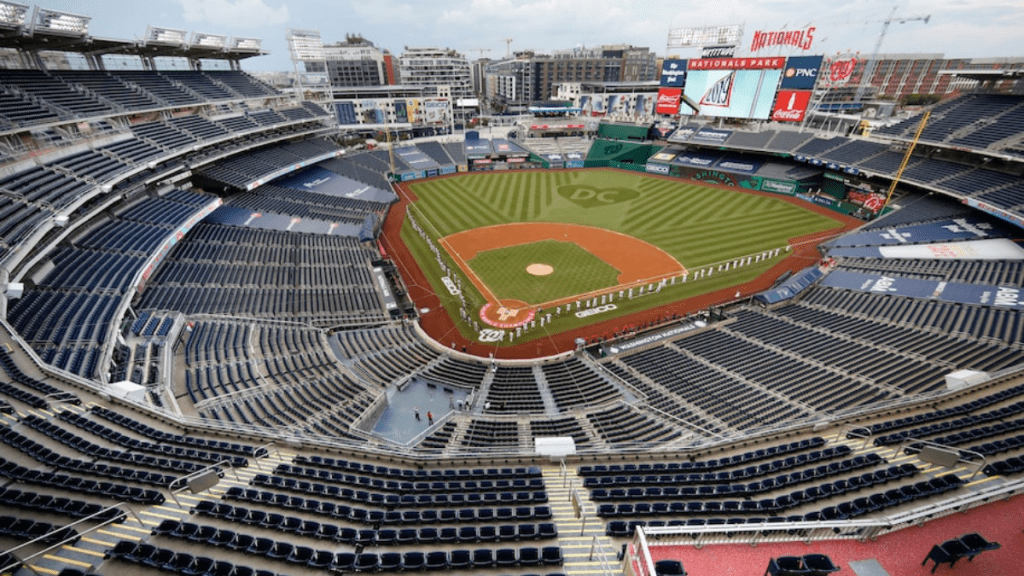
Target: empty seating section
x=66, y=316
x=561, y=427
x=302, y=204
x=318, y=279
x=939, y=346
x=514, y=389
x=56, y=94
x=456, y=372
x=671, y=404
x=482, y=435
x=386, y=354
x=928, y=170
x=854, y=151
x=164, y=136
x=20, y=110
x=872, y=363
x=437, y=153
x=781, y=483
x=44, y=186
x=991, y=272
x=269, y=375
x=920, y=208
x=458, y=152
x=573, y=384
x=1010, y=196
x=241, y=170
x=711, y=388
x=984, y=323
x=132, y=151
x=325, y=514
x=352, y=167
x=625, y=425
x=199, y=127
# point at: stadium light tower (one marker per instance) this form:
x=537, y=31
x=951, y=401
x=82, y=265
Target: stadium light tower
x=869, y=67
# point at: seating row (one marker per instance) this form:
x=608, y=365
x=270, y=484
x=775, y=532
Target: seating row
x=135, y=444
x=352, y=536
x=370, y=516
x=770, y=505
x=15, y=471
x=29, y=529
x=713, y=464
x=407, y=487
x=733, y=475
x=186, y=564
x=186, y=439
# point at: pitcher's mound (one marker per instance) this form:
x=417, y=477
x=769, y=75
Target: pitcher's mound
x=539, y=269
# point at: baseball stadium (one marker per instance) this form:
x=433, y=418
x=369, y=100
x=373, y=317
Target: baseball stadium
x=739, y=320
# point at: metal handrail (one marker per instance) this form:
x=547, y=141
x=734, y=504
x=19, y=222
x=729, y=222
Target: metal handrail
x=24, y=561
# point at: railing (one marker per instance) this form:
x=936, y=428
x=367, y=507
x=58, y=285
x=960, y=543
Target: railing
x=859, y=530
x=69, y=540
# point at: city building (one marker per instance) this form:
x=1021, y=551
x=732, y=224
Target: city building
x=525, y=76
x=357, y=62
x=435, y=68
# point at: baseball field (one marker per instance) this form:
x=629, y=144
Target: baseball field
x=544, y=240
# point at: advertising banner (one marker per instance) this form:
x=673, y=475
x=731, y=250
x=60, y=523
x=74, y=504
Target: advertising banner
x=732, y=93
x=711, y=136
x=872, y=202
x=434, y=111
x=791, y=105
x=801, y=39
x=401, y=114
x=668, y=101
x=976, y=294
x=613, y=103
x=778, y=186
x=718, y=52
x=372, y=113
x=673, y=73
x=775, y=62
x=801, y=72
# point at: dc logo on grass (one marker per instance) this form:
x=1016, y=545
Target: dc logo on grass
x=587, y=197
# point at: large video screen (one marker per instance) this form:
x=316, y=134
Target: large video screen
x=732, y=87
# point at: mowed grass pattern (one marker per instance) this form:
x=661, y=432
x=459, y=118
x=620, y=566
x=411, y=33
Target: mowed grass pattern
x=576, y=271
x=697, y=225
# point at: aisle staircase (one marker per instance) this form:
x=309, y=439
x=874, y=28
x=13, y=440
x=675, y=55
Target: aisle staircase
x=87, y=553
x=586, y=549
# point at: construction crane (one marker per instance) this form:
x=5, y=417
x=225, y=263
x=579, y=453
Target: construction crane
x=869, y=67
x=906, y=159
x=508, y=46
x=479, y=51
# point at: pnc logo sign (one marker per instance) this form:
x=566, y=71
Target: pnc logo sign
x=587, y=197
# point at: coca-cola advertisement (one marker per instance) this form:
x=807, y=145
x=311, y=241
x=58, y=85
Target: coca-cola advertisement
x=668, y=100
x=791, y=105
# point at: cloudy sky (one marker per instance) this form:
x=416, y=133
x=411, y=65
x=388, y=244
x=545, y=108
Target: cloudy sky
x=957, y=28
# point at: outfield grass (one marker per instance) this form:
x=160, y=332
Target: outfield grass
x=697, y=225
x=576, y=271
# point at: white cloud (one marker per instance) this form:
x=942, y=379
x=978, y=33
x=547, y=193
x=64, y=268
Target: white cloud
x=235, y=13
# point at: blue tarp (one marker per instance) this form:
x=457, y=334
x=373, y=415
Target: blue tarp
x=366, y=233
x=791, y=287
x=977, y=294
x=955, y=229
